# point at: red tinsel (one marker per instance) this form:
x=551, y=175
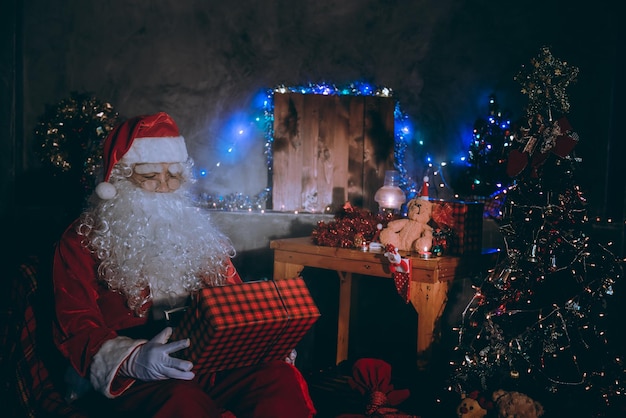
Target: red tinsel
x=351, y=224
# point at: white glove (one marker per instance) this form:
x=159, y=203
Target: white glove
x=152, y=361
x=291, y=358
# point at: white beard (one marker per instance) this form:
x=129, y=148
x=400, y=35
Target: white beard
x=160, y=240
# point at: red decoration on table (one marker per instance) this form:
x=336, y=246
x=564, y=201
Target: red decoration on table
x=443, y=215
x=351, y=227
x=400, y=270
x=461, y=225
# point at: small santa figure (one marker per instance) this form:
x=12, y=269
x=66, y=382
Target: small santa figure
x=400, y=268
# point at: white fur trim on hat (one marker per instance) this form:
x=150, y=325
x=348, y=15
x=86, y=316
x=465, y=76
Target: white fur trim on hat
x=107, y=362
x=106, y=190
x=169, y=149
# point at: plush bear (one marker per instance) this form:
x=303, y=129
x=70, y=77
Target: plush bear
x=472, y=406
x=516, y=405
x=413, y=232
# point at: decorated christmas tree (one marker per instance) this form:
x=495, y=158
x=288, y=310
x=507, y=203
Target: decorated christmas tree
x=485, y=172
x=541, y=322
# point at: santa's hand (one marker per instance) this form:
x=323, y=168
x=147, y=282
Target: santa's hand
x=152, y=360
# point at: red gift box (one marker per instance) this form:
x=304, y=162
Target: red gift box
x=465, y=219
x=246, y=324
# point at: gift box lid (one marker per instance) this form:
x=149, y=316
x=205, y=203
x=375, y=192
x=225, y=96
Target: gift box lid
x=234, y=305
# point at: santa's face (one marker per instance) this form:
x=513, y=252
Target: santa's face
x=158, y=177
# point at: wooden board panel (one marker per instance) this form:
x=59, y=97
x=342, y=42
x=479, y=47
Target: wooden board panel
x=341, y=143
x=378, y=145
x=328, y=150
x=357, y=152
x=287, y=140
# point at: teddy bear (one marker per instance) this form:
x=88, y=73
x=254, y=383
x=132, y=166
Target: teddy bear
x=413, y=232
x=473, y=406
x=516, y=405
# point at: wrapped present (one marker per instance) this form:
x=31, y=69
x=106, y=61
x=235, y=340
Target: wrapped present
x=246, y=324
x=465, y=220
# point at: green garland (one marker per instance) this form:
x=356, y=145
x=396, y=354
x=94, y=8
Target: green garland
x=70, y=135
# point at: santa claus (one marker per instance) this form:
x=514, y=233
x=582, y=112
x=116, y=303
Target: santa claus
x=139, y=249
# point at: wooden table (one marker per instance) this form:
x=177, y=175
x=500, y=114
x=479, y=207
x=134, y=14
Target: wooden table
x=431, y=279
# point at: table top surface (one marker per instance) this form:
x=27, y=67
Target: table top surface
x=305, y=245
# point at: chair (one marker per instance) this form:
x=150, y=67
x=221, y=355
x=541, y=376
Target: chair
x=29, y=361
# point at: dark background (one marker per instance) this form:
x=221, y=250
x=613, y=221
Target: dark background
x=205, y=62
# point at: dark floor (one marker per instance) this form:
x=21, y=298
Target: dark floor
x=384, y=329
x=429, y=398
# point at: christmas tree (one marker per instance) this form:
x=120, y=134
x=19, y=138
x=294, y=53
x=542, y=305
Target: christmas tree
x=485, y=172
x=541, y=321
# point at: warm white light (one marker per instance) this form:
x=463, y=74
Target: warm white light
x=390, y=196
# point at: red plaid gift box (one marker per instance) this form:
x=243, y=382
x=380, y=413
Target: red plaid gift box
x=245, y=324
x=466, y=221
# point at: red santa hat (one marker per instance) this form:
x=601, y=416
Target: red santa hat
x=424, y=191
x=142, y=139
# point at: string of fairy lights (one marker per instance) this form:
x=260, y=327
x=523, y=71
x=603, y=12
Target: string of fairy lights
x=264, y=117
x=69, y=135
x=402, y=127
x=70, y=132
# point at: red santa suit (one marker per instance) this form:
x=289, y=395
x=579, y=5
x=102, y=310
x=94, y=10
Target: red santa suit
x=92, y=323
x=89, y=315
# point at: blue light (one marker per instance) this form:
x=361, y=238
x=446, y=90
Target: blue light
x=403, y=128
x=259, y=101
x=236, y=136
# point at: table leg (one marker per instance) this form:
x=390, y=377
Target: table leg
x=429, y=300
x=343, y=325
x=284, y=270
